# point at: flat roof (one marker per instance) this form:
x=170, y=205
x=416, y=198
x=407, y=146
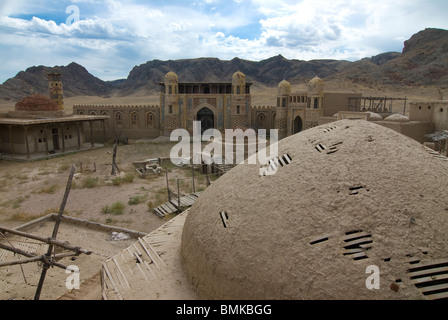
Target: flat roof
x=47, y=120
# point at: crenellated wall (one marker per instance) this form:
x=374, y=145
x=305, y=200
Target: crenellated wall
x=125, y=121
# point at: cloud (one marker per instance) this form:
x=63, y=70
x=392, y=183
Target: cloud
x=135, y=31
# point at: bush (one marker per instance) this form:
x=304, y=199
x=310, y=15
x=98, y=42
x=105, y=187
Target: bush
x=136, y=200
x=90, y=183
x=116, y=208
x=128, y=178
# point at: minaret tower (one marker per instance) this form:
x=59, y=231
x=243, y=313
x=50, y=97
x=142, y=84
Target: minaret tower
x=239, y=116
x=170, y=104
x=55, y=86
x=281, y=116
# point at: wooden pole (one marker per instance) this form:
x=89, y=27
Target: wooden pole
x=47, y=257
x=192, y=171
x=29, y=255
x=114, y=162
x=34, y=259
x=178, y=195
x=53, y=242
x=168, y=185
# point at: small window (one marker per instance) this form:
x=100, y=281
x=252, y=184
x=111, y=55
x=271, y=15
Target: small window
x=238, y=110
x=40, y=140
x=134, y=118
x=419, y=107
x=441, y=109
x=429, y=107
x=170, y=111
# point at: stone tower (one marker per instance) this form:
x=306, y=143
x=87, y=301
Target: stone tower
x=170, y=104
x=315, y=93
x=55, y=86
x=239, y=112
x=281, y=117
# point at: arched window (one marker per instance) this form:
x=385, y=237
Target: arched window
x=260, y=121
x=170, y=109
x=92, y=113
x=238, y=90
x=105, y=113
x=81, y=113
x=150, y=120
x=238, y=110
x=316, y=103
x=118, y=118
x=134, y=118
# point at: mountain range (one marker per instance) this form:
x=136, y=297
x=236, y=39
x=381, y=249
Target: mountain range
x=422, y=62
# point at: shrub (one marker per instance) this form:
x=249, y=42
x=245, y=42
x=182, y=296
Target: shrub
x=116, y=208
x=90, y=183
x=136, y=200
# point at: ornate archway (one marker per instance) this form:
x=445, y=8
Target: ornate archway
x=298, y=125
x=207, y=119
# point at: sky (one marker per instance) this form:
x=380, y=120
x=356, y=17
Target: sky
x=110, y=37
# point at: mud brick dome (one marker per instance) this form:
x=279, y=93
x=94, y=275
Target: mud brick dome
x=345, y=196
x=36, y=102
x=284, y=88
x=316, y=86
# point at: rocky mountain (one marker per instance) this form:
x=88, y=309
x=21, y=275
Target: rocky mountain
x=423, y=61
x=76, y=81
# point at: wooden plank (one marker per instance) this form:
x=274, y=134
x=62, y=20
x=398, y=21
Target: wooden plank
x=356, y=235
x=429, y=279
x=441, y=295
x=148, y=253
x=443, y=286
x=428, y=271
x=159, y=213
x=106, y=269
x=143, y=273
x=352, y=251
x=155, y=252
x=121, y=272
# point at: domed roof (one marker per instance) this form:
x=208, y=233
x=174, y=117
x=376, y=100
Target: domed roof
x=284, y=88
x=397, y=118
x=36, y=102
x=347, y=196
x=238, y=78
x=171, y=77
x=375, y=116
x=316, y=86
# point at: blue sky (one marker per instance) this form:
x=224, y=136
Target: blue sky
x=111, y=36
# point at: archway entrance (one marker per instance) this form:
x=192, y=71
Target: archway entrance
x=207, y=119
x=297, y=125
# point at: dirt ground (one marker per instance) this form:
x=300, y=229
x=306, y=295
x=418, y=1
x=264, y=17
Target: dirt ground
x=35, y=189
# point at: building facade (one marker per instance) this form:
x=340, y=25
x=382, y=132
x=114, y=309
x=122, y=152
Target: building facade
x=220, y=105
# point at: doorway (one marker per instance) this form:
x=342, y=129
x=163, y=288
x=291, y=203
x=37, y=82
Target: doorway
x=55, y=133
x=298, y=124
x=207, y=119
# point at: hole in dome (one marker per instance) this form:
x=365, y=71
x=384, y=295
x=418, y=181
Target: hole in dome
x=224, y=218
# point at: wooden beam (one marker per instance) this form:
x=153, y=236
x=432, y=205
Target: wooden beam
x=54, y=235
x=28, y=255
x=51, y=241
